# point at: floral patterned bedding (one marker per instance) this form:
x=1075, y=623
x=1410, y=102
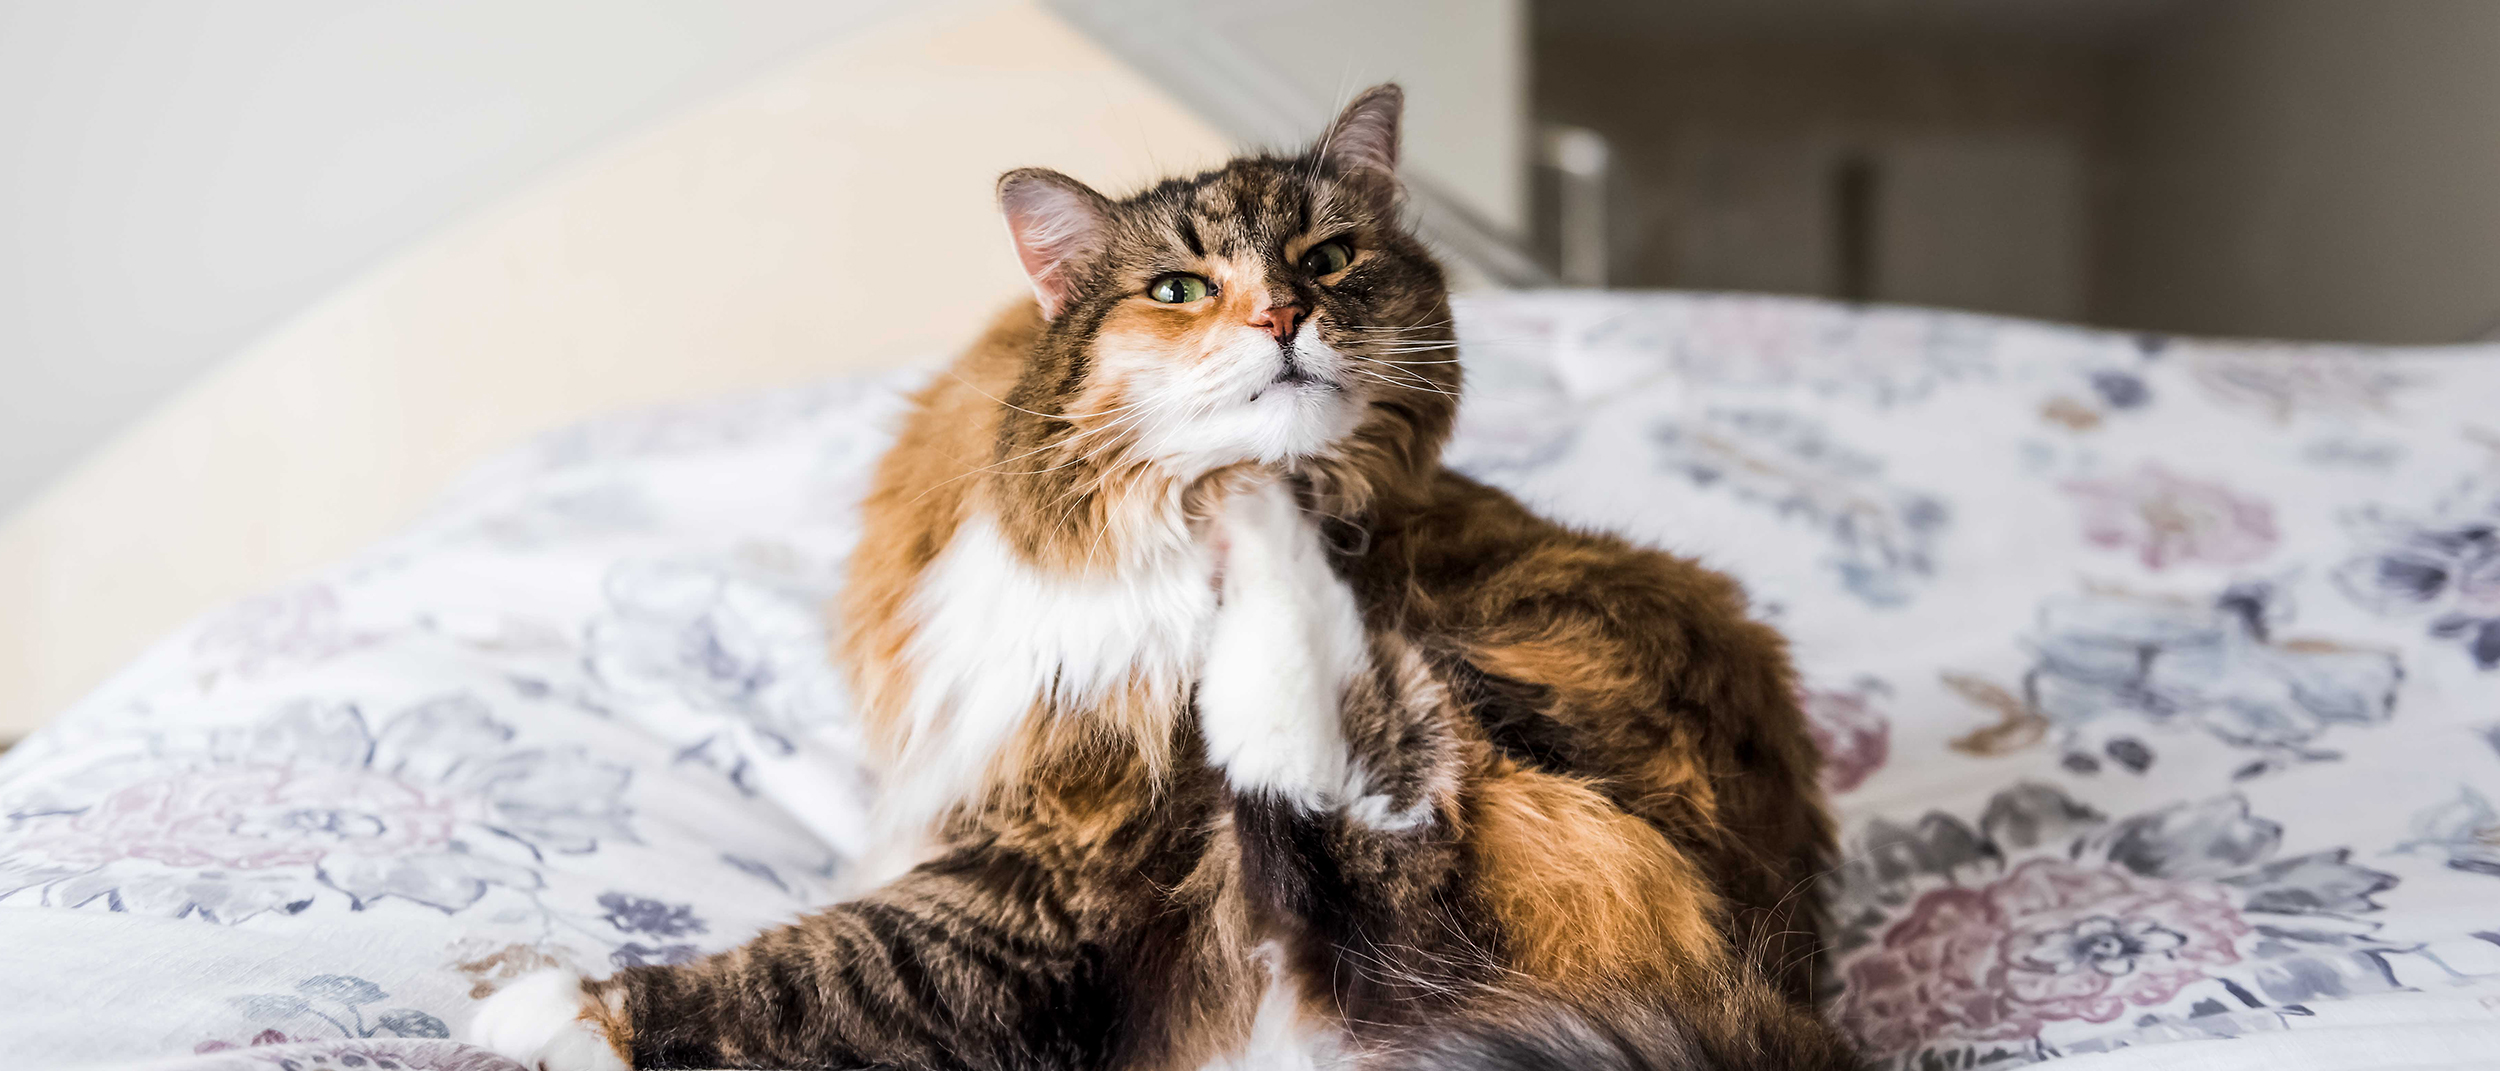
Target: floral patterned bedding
x=2160, y=681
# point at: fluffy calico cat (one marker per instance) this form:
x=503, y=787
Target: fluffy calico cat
x=1228, y=729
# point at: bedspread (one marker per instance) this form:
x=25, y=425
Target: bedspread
x=2159, y=682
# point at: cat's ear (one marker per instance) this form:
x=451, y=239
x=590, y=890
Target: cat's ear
x=1056, y=223
x=1364, y=139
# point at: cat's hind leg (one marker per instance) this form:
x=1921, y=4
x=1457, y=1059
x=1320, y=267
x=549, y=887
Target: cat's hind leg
x=546, y=1021
x=986, y=958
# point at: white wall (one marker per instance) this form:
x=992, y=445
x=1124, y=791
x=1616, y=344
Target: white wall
x=2311, y=169
x=834, y=214
x=176, y=176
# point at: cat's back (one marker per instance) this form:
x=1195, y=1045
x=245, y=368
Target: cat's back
x=1475, y=555
x=1470, y=557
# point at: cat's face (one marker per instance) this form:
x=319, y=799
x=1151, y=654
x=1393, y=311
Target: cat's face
x=1274, y=311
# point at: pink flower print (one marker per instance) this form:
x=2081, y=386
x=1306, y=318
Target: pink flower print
x=2168, y=519
x=1854, y=737
x=254, y=817
x=435, y=807
x=299, y=625
x=265, y=1037
x=2050, y=941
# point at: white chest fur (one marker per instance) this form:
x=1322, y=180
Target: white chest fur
x=996, y=635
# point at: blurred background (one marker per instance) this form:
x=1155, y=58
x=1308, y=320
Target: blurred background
x=274, y=272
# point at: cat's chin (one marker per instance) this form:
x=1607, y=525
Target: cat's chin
x=1285, y=424
x=1303, y=420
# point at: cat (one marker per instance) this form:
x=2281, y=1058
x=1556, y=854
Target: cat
x=1227, y=728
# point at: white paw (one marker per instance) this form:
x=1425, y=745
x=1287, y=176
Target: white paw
x=537, y=1020
x=1287, y=638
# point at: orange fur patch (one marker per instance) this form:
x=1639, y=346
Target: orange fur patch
x=1588, y=896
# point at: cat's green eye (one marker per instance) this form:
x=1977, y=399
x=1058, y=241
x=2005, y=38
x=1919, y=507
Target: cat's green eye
x=1178, y=289
x=1327, y=258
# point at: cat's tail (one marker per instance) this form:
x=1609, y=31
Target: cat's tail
x=1621, y=1032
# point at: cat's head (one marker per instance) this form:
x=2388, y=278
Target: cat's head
x=1273, y=311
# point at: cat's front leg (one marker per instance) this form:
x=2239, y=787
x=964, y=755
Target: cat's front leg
x=1302, y=704
x=1334, y=743
x=1287, y=642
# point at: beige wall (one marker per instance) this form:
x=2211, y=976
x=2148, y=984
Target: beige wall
x=178, y=177
x=2311, y=169
x=836, y=214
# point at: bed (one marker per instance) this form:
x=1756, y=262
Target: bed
x=2159, y=681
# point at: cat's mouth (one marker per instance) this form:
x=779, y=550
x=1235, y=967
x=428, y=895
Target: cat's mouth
x=1295, y=376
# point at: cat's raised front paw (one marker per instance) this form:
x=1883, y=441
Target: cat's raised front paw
x=1287, y=637
x=538, y=1021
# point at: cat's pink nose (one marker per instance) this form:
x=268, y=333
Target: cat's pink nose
x=1279, y=320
